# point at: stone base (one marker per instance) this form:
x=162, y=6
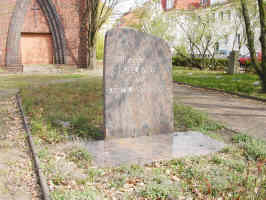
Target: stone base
x=146, y=149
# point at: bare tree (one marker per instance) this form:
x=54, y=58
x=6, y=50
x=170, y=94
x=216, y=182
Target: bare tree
x=238, y=30
x=260, y=68
x=149, y=18
x=92, y=15
x=97, y=15
x=238, y=24
x=201, y=37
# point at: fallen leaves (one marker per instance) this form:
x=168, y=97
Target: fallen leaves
x=20, y=173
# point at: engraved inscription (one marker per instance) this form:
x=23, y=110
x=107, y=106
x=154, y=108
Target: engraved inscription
x=119, y=90
x=128, y=65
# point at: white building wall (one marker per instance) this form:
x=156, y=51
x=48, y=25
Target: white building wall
x=225, y=24
x=213, y=2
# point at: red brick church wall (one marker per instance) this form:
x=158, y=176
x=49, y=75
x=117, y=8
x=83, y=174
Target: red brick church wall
x=6, y=11
x=69, y=15
x=187, y=4
x=35, y=22
x=183, y=4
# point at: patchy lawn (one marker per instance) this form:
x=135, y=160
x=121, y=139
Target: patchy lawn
x=239, y=83
x=59, y=111
x=1, y=69
x=21, y=81
x=76, y=108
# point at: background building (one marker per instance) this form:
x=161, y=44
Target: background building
x=226, y=25
x=184, y=4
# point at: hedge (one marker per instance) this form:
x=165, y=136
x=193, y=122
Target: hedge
x=218, y=63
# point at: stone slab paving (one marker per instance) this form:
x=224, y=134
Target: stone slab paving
x=240, y=114
x=145, y=149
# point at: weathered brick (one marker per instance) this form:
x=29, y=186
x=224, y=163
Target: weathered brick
x=35, y=21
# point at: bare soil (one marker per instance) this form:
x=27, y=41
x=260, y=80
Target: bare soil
x=17, y=176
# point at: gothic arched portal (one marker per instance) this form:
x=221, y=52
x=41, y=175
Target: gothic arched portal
x=16, y=26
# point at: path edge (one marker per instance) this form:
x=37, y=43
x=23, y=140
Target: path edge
x=41, y=178
x=222, y=91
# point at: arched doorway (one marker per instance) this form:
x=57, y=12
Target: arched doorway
x=16, y=38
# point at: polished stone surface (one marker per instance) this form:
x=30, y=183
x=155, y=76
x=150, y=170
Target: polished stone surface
x=146, y=149
x=137, y=85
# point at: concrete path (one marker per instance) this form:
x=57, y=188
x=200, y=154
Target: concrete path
x=239, y=114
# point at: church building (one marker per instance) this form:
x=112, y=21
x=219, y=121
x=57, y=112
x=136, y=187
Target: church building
x=39, y=32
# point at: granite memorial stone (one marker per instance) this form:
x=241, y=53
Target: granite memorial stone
x=138, y=98
x=234, y=66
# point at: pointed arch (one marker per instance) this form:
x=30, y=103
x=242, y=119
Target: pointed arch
x=16, y=26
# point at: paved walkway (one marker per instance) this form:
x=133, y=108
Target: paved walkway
x=17, y=177
x=240, y=114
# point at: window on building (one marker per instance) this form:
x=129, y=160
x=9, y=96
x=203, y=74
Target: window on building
x=169, y=4
x=157, y=5
x=199, y=18
x=213, y=17
x=226, y=39
x=229, y=14
x=204, y=2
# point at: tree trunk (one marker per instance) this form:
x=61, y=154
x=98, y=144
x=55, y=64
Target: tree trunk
x=263, y=42
x=83, y=49
x=250, y=37
x=83, y=37
x=92, y=58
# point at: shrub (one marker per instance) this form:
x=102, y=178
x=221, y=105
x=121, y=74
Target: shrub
x=221, y=63
x=100, y=46
x=214, y=64
x=180, y=61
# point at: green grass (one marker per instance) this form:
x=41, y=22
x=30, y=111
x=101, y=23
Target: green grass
x=233, y=173
x=78, y=103
x=237, y=172
x=81, y=108
x=1, y=70
x=187, y=118
x=239, y=83
x=80, y=156
x=254, y=149
x=88, y=194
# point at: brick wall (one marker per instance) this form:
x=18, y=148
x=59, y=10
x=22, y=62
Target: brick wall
x=6, y=10
x=183, y=4
x=69, y=15
x=187, y=4
x=35, y=22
